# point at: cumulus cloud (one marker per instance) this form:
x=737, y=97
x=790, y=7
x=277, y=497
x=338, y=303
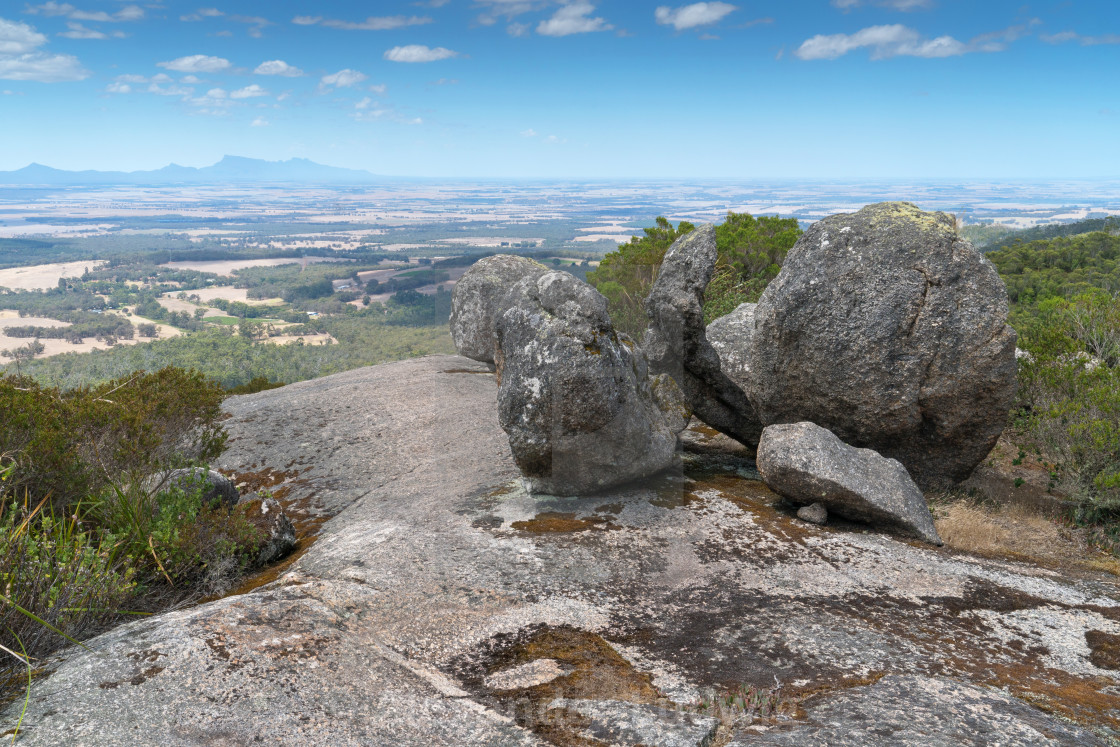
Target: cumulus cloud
x=903, y=5
x=259, y=122
x=691, y=16
x=1085, y=41
x=248, y=92
x=127, y=13
x=118, y=88
x=278, y=67
x=572, y=18
x=373, y=23
x=418, y=53
x=379, y=89
x=21, y=58
x=342, y=79
x=196, y=63
x=518, y=29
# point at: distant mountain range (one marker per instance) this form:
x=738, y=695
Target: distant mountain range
x=231, y=169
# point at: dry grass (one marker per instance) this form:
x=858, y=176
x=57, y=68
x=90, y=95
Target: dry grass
x=1019, y=532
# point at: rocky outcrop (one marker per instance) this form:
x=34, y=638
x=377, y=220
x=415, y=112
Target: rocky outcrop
x=677, y=345
x=437, y=571
x=476, y=300
x=890, y=330
x=575, y=397
x=808, y=464
x=215, y=487
x=730, y=335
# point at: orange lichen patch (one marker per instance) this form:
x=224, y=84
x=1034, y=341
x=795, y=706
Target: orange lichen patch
x=266, y=479
x=1104, y=648
x=704, y=430
x=1089, y=701
x=595, y=671
x=555, y=522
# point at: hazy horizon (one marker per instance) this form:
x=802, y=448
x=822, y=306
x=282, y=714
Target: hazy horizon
x=541, y=89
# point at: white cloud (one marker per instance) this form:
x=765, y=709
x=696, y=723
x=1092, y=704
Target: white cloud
x=379, y=89
x=201, y=14
x=444, y=82
x=555, y=139
x=20, y=58
x=373, y=23
x=259, y=122
x=418, y=53
x=885, y=41
x=1085, y=41
x=196, y=63
x=897, y=40
x=78, y=31
x=173, y=90
x=192, y=79
x=217, y=93
x=131, y=79
x=529, y=133
x=691, y=16
x=903, y=5
x=248, y=92
x=162, y=78
x=118, y=88
x=127, y=13
x=518, y=29
x=572, y=18
x=278, y=67
x=342, y=79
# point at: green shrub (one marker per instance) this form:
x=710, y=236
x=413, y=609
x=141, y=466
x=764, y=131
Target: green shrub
x=71, y=444
x=751, y=251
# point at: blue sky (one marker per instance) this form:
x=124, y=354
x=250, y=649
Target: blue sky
x=583, y=88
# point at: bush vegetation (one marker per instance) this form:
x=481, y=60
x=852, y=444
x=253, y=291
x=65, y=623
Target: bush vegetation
x=87, y=536
x=751, y=252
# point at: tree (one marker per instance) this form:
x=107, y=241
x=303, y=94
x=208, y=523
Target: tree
x=147, y=329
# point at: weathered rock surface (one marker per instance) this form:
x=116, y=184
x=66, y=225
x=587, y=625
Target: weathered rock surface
x=889, y=329
x=477, y=298
x=808, y=464
x=434, y=553
x=576, y=398
x=909, y=711
x=730, y=335
x=617, y=722
x=677, y=345
x=215, y=485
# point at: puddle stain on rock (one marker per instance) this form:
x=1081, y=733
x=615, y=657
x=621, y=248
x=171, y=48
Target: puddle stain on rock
x=593, y=670
x=559, y=522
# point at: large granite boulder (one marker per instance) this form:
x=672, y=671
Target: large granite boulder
x=576, y=398
x=730, y=335
x=677, y=345
x=808, y=464
x=890, y=330
x=475, y=301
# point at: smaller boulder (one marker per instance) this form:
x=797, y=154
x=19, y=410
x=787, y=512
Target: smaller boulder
x=215, y=486
x=814, y=514
x=808, y=464
x=476, y=300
